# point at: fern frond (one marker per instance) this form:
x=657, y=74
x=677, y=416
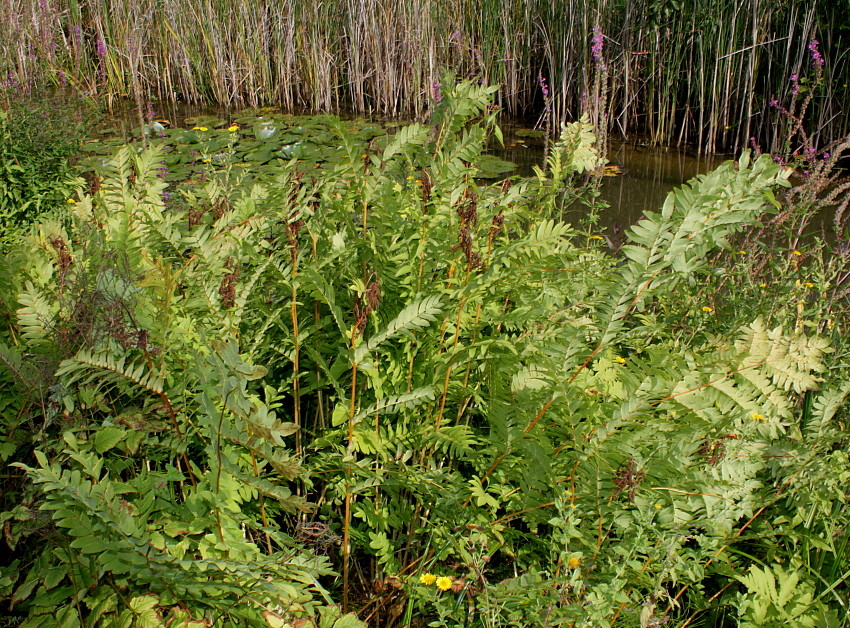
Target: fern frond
x=35, y=316
x=418, y=315
x=123, y=367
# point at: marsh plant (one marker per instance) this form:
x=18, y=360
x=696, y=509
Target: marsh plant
x=692, y=71
x=390, y=386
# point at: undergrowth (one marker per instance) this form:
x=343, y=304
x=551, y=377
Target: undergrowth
x=388, y=388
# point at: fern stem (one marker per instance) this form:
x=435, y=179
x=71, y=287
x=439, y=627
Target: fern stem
x=346, y=529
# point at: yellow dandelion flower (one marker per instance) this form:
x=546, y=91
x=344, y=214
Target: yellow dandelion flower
x=427, y=578
x=574, y=562
x=705, y=308
x=757, y=416
x=444, y=583
x=595, y=238
x=795, y=252
x=199, y=128
x=233, y=127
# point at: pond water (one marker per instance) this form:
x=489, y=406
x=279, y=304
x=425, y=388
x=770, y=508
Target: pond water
x=646, y=174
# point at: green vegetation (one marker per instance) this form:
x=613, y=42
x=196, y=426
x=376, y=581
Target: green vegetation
x=38, y=139
x=238, y=398
x=698, y=71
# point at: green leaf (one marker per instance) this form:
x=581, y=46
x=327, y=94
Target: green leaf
x=107, y=437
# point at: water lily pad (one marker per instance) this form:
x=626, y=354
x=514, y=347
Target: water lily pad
x=210, y=122
x=531, y=133
x=490, y=167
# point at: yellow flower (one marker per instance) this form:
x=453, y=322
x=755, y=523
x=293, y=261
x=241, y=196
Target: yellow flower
x=409, y=178
x=657, y=506
x=70, y=200
x=762, y=285
x=444, y=583
x=620, y=360
x=595, y=238
x=199, y=128
x=757, y=416
x=795, y=252
x=233, y=127
x=207, y=160
x=705, y=308
x=574, y=562
x=809, y=284
x=742, y=252
x=427, y=578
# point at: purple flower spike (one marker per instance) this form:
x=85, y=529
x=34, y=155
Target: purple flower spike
x=817, y=58
x=436, y=92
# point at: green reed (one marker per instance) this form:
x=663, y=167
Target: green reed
x=690, y=71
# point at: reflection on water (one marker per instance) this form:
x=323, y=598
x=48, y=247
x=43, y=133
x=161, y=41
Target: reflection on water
x=649, y=174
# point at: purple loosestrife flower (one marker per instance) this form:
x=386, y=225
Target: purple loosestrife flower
x=545, y=89
x=436, y=92
x=596, y=44
x=101, y=48
x=817, y=58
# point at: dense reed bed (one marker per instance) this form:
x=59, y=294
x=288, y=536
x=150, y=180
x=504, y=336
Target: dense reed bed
x=695, y=71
